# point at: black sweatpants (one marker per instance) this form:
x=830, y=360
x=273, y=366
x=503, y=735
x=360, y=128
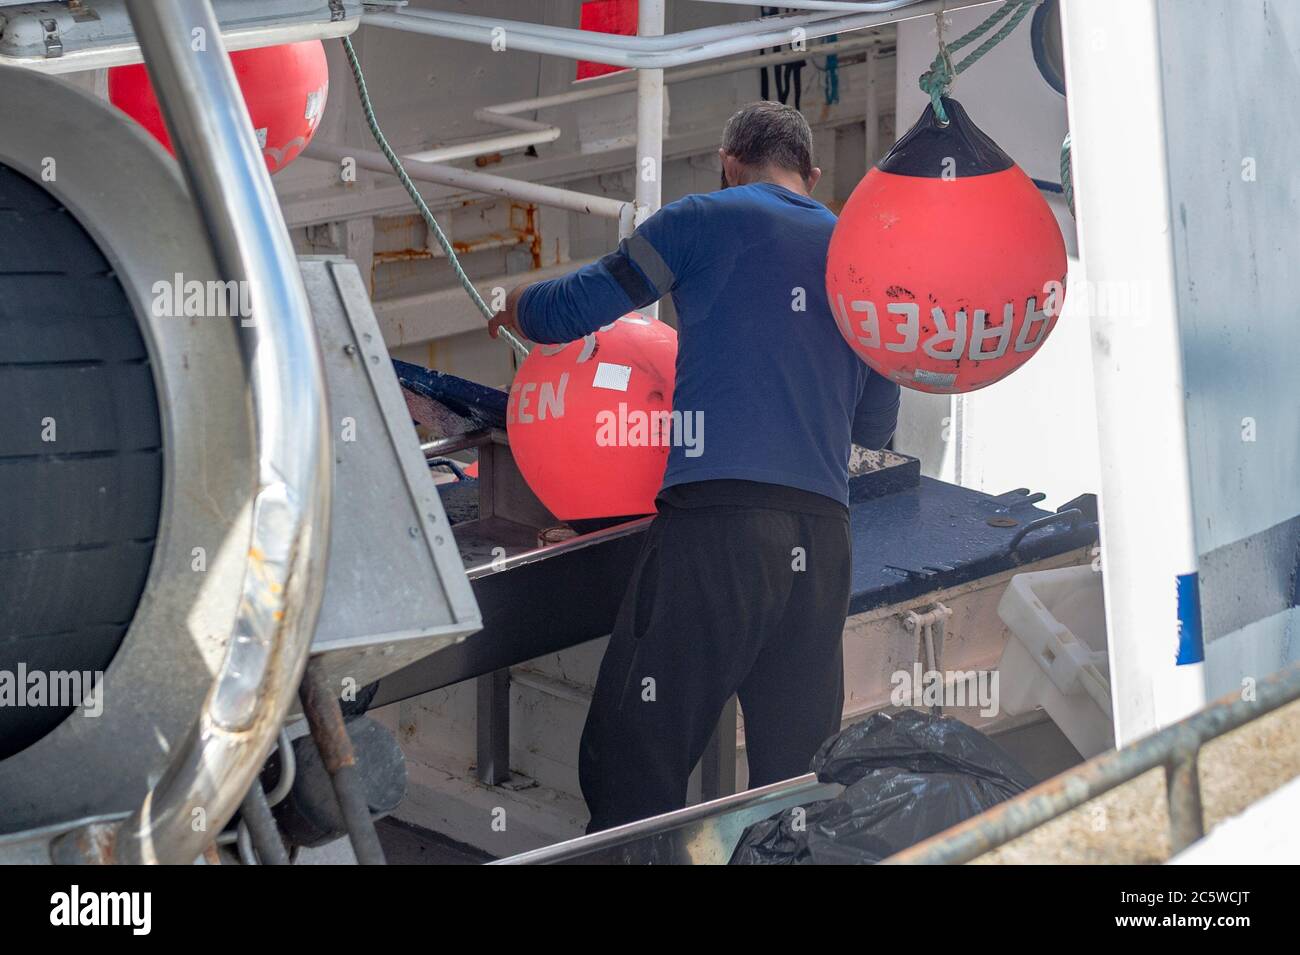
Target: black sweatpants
x=724, y=598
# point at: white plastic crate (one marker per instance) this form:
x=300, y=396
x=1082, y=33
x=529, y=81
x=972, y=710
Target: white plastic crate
x=1056, y=656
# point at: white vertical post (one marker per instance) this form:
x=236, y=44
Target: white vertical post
x=871, y=116
x=1116, y=109
x=649, y=124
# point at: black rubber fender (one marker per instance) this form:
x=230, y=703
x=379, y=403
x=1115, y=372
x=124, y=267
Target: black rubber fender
x=81, y=457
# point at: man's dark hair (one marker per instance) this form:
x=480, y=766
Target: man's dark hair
x=767, y=133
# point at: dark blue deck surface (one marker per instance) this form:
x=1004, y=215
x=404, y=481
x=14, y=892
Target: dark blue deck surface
x=916, y=540
x=482, y=406
x=936, y=535
x=912, y=535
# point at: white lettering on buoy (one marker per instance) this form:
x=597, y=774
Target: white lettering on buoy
x=550, y=400
x=870, y=325
x=521, y=415
x=950, y=341
x=1033, y=316
x=956, y=335
x=980, y=333
x=911, y=325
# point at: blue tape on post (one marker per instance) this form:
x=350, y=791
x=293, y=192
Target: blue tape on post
x=1191, y=649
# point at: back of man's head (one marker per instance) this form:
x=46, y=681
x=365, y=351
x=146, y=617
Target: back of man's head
x=770, y=136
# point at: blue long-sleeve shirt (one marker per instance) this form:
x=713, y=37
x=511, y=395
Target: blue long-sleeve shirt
x=775, y=390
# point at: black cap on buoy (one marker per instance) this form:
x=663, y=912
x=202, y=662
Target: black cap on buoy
x=931, y=150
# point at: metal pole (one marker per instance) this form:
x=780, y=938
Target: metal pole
x=320, y=704
x=1183, y=795
x=503, y=114
x=649, y=125
x=251, y=695
x=255, y=812
x=492, y=738
x=853, y=44
x=486, y=183
x=834, y=6
x=871, y=113
x=677, y=50
x=642, y=42
x=529, y=133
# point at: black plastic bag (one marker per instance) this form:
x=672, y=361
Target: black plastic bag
x=920, y=742
x=781, y=839
x=908, y=775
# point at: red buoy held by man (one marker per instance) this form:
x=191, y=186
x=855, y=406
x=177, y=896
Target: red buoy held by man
x=590, y=422
x=284, y=88
x=946, y=271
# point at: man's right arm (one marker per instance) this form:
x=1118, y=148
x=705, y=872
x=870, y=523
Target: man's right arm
x=644, y=268
x=567, y=308
x=876, y=416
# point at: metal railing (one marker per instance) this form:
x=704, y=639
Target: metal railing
x=654, y=51
x=251, y=694
x=1177, y=748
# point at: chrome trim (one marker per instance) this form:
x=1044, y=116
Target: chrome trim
x=458, y=442
x=259, y=678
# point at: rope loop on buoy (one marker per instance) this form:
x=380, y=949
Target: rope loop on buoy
x=938, y=79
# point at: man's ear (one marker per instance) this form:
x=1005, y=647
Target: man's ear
x=728, y=164
x=813, y=178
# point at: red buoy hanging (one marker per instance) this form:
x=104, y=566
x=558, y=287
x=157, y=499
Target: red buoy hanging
x=590, y=422
x=946, y=271
x=284, y=89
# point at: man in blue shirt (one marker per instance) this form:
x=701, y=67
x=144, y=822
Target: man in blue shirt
x=742, y=584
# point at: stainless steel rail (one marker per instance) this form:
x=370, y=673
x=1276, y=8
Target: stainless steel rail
x=654, y=52
x=268, y=650
x=704, y=834
x=1175, y=747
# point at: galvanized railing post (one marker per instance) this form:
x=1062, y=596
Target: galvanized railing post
x=1183, y=795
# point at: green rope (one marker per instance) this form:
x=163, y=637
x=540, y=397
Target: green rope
x=418, y=199
x=937, y=80
x=1067, y=175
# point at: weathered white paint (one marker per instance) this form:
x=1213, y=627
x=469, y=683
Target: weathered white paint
x=1117, y=106
x=1234, y=199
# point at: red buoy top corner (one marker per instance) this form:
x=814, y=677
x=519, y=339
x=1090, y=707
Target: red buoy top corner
x=285, y=88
